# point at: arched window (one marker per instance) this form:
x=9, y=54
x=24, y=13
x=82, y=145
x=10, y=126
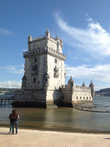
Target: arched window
x=35, y=68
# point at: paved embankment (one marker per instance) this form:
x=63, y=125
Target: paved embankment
x=35, y=138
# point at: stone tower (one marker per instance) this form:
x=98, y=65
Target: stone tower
x=44, y=70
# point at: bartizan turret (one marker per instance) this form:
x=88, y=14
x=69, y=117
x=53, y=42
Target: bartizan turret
x=70, y=83
x=29, y=42
x=91, y=85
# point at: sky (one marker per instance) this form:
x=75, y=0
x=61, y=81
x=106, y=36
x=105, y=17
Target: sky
x=83, y=25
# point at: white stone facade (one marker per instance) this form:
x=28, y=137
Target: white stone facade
x=44, y=65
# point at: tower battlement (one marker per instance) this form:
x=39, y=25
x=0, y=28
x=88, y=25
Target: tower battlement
x=46, y=41
x=41, y=51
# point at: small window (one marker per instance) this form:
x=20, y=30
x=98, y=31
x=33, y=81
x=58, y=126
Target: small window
x=34, y=80
x=77, y=97
x=87, y=98
x=55, y=60
x=35, y=60
x=80, y=98
x=56, y=72
x=83, y=98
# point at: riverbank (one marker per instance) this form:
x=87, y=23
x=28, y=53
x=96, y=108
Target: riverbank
x=35, y=138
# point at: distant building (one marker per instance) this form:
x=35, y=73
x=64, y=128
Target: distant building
x=44, y=76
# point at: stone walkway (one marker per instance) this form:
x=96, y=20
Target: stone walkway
x=35, y=138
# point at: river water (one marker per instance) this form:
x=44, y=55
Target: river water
x=63, y=119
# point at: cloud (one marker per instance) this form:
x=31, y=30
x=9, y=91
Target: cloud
x=14, y=69
x=99, y=74
x=5, y=32
x=18, y=70
x=93, y=39
x=10, y=84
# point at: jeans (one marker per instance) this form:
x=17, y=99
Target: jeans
x=14, y=124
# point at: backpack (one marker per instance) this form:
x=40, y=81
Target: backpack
x=14, y=117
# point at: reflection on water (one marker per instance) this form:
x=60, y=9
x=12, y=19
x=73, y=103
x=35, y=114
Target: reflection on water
x=64, y=119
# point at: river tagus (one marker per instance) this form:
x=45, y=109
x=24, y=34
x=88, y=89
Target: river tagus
x=63, y=119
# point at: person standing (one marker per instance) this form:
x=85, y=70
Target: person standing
x=13, y=117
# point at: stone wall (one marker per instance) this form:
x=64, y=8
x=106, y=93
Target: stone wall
x=81, y=94
x=75, y=94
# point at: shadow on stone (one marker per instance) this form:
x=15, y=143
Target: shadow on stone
x=4, y=133
x=106, y=138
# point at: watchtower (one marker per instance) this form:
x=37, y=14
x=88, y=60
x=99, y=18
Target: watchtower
x=44, y=71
